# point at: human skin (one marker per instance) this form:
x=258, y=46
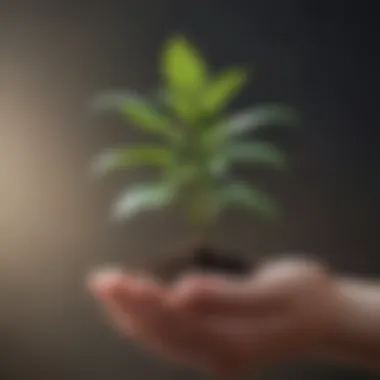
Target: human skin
x=286, y=310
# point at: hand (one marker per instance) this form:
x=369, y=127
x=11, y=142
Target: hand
x=284, y=311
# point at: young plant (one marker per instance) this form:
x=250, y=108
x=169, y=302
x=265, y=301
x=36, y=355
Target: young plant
x=198, y=142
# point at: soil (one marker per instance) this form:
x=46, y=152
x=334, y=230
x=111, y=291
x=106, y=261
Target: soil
x=201, y=258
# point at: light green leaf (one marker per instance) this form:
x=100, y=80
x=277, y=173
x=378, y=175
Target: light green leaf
x=261, y=153
x=138, y=111
x=183, y=67
x=147, y=118
x=261, y=116
x=185, y=107
x=126, y=157
x=143, y=198
x=251, y=199
x=223, y=89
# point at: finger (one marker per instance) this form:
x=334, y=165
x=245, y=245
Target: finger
x=122, y=296
x=135, y=306
x=271, y=290
x=261, y=344
x=103, y=283
x=247, y=351
x=294, y=268
x=229, y=297
x=176, y=335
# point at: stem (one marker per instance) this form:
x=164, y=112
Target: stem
x=198, y=218
x=201, y=207
x=202, y=215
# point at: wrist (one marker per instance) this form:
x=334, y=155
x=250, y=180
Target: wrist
x=354, y=335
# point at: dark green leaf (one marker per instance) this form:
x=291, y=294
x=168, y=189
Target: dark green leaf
x=223, y=89
x=183, y=66
x=161, y=97
x=250, y=199
x=140, y=112
x=143, y=198
x=261, y=116
x=125, y=157
x=219, y=166
x=261, y=153
x=111, y=101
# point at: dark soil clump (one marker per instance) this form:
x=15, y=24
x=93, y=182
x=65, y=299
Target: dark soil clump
x=201, y=258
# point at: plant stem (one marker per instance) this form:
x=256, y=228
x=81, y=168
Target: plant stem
x=201, y=213
x=202, y=207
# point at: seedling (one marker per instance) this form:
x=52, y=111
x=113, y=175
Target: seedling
x=198, y=145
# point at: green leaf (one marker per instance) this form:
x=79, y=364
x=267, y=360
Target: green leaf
x=111, y=101
x=261, y=153
x=140, y=112
x=147, y=118
x=161, y=97
x=214, y=138
x=184, y=107
x=251, y=199
x=183, y=67
x=223, y=89
x=261, y=116
x=126, y=157
x=143, y=198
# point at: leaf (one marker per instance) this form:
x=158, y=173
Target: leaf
x=183, y=66
x=143, y=198
x=138, y=111
x=111, y=101
x=214, y=138
x=161, y=96
x=185, y=107
x=251, y=199
x=261, y=153
x=261, y=116
x=125, y=157
x=223, y=89
x=185, y=74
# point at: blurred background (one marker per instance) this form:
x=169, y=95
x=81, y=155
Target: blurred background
x=319, y=56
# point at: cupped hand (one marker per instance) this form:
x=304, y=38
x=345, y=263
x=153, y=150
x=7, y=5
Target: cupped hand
x=284, y=311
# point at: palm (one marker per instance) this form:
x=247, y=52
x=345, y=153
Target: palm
x=198, y=143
